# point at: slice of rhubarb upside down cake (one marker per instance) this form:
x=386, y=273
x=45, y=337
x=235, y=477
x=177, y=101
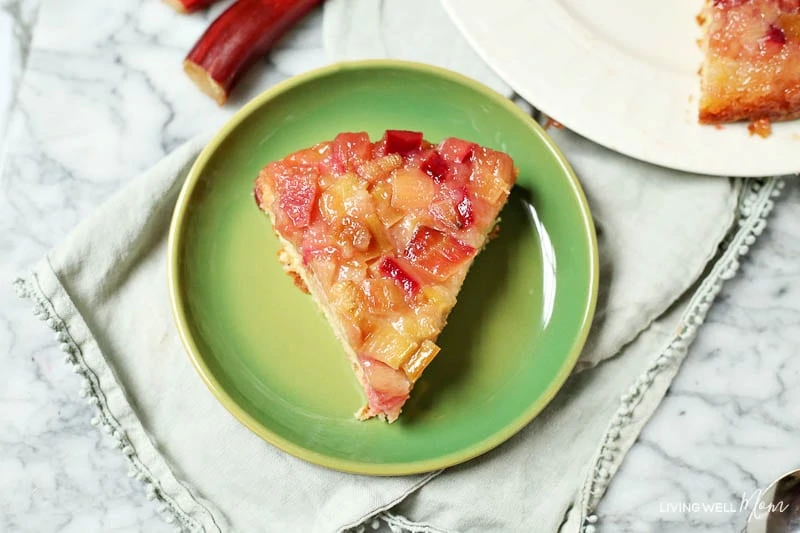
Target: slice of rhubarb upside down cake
x=382, y=235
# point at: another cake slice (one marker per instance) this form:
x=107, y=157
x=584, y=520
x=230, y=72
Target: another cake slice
x=752, y=65
x=382, y=235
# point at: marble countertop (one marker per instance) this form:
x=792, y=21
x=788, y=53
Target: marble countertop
x=728, y=426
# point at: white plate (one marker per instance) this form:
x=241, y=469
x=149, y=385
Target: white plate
x=622, y=73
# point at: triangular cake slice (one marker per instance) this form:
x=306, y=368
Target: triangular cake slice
x=752, y=61
x=382, y=236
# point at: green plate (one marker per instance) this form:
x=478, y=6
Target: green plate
x=268, y=355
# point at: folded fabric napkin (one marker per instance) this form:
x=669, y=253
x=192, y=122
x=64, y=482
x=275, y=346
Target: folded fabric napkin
x=104, y=292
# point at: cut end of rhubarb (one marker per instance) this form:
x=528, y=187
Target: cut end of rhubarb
x=205, y=82
x=189, y=6
x=177, y=5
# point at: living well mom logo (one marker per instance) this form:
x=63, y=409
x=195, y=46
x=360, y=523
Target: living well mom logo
x=753, y=503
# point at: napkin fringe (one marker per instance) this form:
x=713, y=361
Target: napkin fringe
x=103, y=418
x=755, y=204
x=396, y=524
x=401, y=524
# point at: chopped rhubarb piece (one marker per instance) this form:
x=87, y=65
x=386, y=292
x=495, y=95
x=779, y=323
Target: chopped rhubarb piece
x=456, y=151
x=379, y=169
x=317, y=240
x=382, y=241
x=389, y=407
x=352, y=270
x=414, y=366
x=402, y=141
x=346, y=198
x=189, y=6
x=309, y=157
x=412, y=189
x=387, y=388
x=434, y=165
x=297, y=194
x=437, y=253
x=350, y=150
x=347, y=297
x=774, y=41
x=444, y=214
x=391, y=269
x=459, y=173
x=382, y=196
x=383, y=295
x=384, y=379
x=353, y=237
x=464, y=209
x=420, y=325
x=389, y=346
x=437, y=298
x=236, y=39
x=403, y=231
x=775, y=35
x=324, y=266
x=488, y=165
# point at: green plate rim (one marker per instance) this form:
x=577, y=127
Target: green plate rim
x=345, y=465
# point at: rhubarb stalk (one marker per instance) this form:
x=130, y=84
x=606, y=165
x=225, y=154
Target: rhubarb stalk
x=189, y=6
x=238, y=37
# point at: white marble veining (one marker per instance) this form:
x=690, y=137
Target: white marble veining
x=16, y=24
x=104, y=98
x=730, y=424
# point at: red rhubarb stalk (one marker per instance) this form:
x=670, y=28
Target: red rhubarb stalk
x=189, y=6
x=237, y=38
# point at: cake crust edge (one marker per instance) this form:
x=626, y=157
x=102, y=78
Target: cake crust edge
x=774, y=108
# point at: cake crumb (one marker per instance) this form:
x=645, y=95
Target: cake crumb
x=761, y=127
x=553, y=123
